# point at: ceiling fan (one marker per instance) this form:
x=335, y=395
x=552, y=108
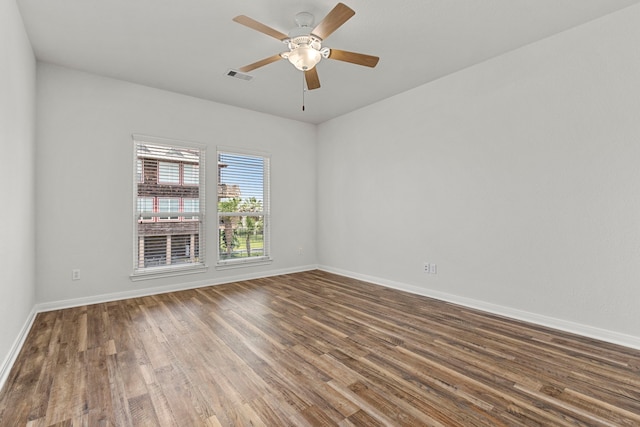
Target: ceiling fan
x=305, y=43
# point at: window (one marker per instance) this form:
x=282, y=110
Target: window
x=167, y=205
x=145, y=208
x=168, y=173
x=168, y=183
x=243, y=208
x=190, y=205
x=191, y=174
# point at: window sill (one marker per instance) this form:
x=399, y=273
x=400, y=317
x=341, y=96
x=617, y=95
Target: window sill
x=169, y=271
x=241, y=263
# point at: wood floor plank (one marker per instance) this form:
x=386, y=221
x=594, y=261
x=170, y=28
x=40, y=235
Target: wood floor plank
x=311, y=349
x=142, y=411
x=99, y=399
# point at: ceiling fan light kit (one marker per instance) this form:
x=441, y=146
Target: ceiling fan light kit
x=304, y=56
x=305, y=43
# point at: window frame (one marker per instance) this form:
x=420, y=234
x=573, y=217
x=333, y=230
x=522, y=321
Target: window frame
x=265, y=258
x=198, y=263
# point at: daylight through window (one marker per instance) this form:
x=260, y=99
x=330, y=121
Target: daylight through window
x=243, y=208
x=169, y=208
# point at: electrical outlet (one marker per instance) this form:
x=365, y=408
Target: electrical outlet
x=300, y=251
x=75, y=274
x=430, y=268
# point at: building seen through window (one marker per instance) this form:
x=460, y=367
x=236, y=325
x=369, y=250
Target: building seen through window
x=169, y=220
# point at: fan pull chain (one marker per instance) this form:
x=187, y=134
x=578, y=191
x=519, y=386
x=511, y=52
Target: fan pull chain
x=303, y=91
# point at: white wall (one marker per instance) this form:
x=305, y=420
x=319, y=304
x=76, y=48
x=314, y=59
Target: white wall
x=85, y=190
x=519, y=177
x=17, y=176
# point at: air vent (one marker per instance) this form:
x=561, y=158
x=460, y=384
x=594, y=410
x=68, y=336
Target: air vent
x=239, y=75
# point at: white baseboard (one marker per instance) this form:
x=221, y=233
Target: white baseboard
x=98, y=299
x=550, y=322
x=560, y=324
x=8, y=362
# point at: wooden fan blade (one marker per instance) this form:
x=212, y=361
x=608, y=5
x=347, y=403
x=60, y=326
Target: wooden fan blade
x=354, y=58
x=261, y=63
x=338, y=16
x=258, y=26
x=311, y=76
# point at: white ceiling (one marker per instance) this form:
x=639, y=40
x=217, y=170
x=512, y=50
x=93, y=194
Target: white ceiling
x=187, y=46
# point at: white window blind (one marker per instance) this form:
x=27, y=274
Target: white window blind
x=138, y=170
x=243, y=208
x=169, y=216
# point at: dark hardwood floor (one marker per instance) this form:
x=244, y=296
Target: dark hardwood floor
x=311, y=349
